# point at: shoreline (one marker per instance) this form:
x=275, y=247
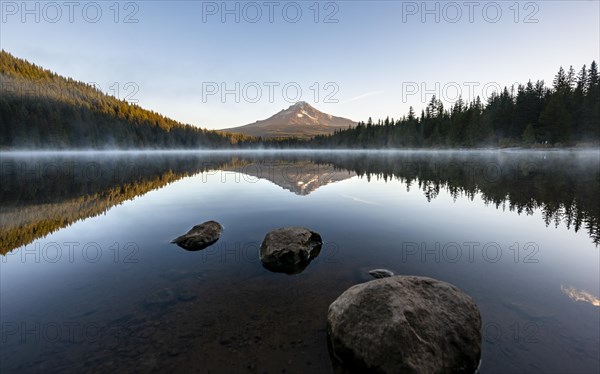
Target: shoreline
x=41, y=152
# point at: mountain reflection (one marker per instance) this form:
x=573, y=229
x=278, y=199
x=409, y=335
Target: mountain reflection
x=299, y=176
x=39, y=196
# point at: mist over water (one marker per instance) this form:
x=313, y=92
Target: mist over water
x=89, y=277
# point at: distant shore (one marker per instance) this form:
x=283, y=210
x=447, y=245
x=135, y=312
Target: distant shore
x=22, y=151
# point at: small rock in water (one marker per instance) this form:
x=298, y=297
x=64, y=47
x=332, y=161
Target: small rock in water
x=380, y=273
x=404, y=324
x=289, y=249
x=200, y=236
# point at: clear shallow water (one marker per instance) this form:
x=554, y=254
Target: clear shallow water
x=89, y=280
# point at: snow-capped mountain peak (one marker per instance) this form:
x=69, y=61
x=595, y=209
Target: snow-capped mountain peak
x=298, y=120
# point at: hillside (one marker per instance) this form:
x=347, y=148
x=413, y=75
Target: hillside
x=43, y=110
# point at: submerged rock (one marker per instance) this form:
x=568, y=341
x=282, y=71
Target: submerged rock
x=380, y=273
x=404, y=324
x=200, y=236
x=289, y=249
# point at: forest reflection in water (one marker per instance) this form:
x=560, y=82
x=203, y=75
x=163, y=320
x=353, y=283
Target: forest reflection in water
x=42, y=194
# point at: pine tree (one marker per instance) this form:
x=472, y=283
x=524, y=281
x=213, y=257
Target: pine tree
x=582, y=81
x=571, y=79
x=590, y=129
x=411, y=114
x=593, y=76
x=561, y=82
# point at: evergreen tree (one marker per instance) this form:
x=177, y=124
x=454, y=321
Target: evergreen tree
x=561, y=82
x=411, y=114
x=590, y=129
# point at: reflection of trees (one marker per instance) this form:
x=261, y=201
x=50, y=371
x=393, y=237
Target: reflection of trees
x=563, y=186
x=39, y=196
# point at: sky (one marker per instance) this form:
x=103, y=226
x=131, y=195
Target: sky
x=220, y=64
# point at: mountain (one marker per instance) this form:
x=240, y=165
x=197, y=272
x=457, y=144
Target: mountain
x=299, y=120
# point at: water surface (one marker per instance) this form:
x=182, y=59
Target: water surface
x=90, y=281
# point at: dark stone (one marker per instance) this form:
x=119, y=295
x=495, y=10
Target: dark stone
x=289, y=249
x=404, y=324
x=200, y=236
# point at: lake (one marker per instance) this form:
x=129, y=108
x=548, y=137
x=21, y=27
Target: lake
x=90, y=281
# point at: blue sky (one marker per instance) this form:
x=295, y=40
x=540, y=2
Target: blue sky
x=379, y=58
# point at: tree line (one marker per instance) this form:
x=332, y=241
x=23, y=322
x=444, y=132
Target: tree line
x=566, y=114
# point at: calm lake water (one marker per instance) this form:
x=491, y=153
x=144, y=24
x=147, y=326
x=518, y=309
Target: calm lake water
x=90, y=281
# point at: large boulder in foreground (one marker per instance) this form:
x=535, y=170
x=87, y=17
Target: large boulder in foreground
x=200, y=236
x=405, y=324
x=289, y=249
